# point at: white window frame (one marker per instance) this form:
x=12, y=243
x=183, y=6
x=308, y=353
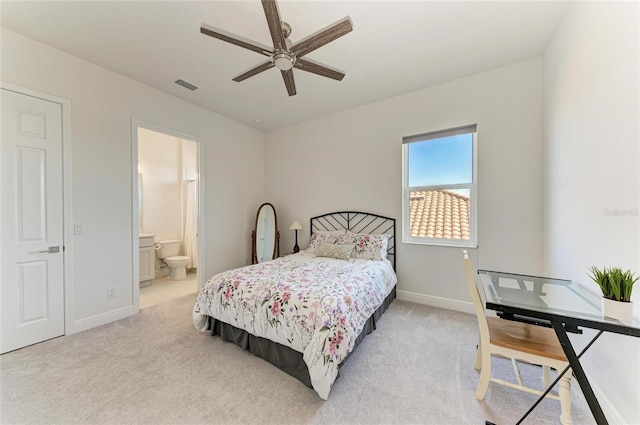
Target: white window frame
x=472, y=242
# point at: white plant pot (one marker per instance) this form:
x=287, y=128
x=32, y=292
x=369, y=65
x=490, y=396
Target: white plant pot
x=617, y=309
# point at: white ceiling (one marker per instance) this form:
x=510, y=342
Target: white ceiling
x=396, y=47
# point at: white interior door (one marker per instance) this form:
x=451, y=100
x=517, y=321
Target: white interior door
x=32, y=269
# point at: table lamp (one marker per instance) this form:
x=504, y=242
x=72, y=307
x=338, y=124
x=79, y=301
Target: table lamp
x=296, y=226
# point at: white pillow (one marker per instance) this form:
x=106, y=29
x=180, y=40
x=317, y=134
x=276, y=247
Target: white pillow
x=340, y=252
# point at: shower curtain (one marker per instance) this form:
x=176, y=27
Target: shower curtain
x=190, y=237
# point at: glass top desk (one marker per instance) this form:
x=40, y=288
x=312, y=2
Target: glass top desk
x=556, y=303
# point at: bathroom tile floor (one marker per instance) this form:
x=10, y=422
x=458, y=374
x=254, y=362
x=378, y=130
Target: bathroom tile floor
x=165, y=289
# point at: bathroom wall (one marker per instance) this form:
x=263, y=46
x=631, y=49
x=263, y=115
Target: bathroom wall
x=160, y=163
x=190, y=184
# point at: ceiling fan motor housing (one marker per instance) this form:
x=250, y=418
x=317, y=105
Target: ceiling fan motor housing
x=286, y=29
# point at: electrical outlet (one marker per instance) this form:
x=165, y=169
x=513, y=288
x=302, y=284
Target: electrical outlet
x=246, y=261
x=78, y=229
x=111, y=292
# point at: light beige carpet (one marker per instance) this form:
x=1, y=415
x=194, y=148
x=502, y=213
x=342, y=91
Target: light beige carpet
x=155, y=368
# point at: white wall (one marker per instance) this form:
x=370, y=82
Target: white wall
x=160, y=163
x=592, y=165
x=103, y=104
x=353, y=161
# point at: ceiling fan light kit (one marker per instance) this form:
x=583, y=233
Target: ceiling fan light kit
x=285, y=56
x=283, y=60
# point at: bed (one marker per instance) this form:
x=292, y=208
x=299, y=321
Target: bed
x=306, y=312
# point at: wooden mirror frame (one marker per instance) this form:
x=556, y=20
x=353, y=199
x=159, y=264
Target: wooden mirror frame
x=276, y=241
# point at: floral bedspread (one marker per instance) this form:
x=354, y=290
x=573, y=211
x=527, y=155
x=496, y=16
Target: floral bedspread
x=317, y=306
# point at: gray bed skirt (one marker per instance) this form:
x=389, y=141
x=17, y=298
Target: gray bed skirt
x=286, y=358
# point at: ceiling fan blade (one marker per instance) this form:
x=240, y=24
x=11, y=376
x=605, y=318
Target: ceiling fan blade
x=253, y=71
x=287, y=76
x=316, y=68
x=275, y=26
x=234, y=39
x=322, y=37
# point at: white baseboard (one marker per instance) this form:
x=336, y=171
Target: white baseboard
x=466, y=307
x=99, y=319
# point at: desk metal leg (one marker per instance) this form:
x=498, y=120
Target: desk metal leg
x=574, y=362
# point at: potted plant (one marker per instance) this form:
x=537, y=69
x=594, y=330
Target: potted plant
x=616, y=286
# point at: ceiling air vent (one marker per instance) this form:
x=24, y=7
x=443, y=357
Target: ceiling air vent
x=186, y=85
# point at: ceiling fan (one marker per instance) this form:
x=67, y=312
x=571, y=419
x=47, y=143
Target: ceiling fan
x=284, y=55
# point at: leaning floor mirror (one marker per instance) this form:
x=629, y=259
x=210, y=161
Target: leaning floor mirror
x=265, y=238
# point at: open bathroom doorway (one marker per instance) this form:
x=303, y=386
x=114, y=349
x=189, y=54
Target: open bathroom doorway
x=168, y=214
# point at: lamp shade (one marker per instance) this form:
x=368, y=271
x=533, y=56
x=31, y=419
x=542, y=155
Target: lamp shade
x=295, y=225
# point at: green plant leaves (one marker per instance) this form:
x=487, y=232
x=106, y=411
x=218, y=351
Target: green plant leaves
x=614, y=283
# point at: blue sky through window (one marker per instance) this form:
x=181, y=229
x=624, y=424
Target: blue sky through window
x=441, y=161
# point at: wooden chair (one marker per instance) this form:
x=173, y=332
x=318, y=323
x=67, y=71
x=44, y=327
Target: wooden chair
x=519, y=342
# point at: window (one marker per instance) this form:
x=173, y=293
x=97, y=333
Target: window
x=439, y=187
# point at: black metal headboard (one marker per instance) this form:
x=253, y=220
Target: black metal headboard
x=359, y=222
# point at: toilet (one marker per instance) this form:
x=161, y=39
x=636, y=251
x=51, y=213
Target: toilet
x=168, y=252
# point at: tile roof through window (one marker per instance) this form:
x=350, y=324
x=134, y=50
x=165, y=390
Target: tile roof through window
x=439, y=214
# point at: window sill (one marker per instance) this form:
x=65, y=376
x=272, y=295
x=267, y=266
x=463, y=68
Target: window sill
x=470, y=245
